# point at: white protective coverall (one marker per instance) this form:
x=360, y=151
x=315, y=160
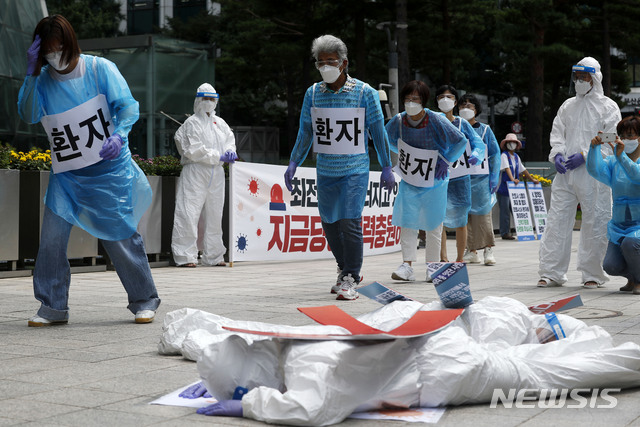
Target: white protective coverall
x=201, y=140
x=577, y=122
x=494, y=344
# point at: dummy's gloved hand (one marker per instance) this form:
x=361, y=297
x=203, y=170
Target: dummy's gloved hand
x=111, y=147
x=289, y=174
x=195, y=391
x=32, y=55
x=493, y=185
x=441, y=168
x=574, y=161
x=558, y=160
x=229, y=157
x=387, y=180
x=473, y=160
x=225, y=408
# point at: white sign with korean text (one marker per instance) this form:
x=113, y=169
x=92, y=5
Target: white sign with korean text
x=462, y=167
x=520, y=210
x=416, y=166
x=338, y=130
x=538, y=207
x=76, y=135
x=267, y=222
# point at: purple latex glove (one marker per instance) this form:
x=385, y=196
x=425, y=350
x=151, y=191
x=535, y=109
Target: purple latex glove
x=387, y=180
x=228, y=157
x=289, y=174
x=442, y=168
x=558, y=160
x=111, y=147
x=195, y=391
x=493, y=186
x=225, y=408
x=574, y=161
x=32, y=55
x=473, y=160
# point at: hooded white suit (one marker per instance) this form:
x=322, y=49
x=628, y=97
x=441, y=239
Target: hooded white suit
x=578, y=120
x=201, y=140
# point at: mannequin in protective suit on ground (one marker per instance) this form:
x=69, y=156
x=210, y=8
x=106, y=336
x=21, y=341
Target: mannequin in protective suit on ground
x=205, y=142
x=577, y=122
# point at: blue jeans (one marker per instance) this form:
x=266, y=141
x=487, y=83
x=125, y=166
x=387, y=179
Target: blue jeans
x=52, y=274
x=624, y=259
x=345, y=239
x=505, y=214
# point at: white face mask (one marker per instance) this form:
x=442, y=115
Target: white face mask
x=446, y=104
x=582, y=87
x=412, y=108
x=511, y=146
x=467, y=113
x=55, y=60
x=329, y=74
x=208, y=106
x=630, y=145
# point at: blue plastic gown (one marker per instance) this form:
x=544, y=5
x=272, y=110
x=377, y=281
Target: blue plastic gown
x=422, y=208
x=459, y=190
x=623, y=176
x=107, y=199
x=482, y=200
x=342, y=179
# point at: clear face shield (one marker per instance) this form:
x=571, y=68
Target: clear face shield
x=581, y=79
x=207, y=101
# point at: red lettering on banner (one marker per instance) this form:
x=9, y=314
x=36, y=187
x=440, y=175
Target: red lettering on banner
x=301, y=233
x=378, y=232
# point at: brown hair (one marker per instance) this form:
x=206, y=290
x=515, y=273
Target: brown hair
x=56, y=28
x=628, y=125
x=416, y=86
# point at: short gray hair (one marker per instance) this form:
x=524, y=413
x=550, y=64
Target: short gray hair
x=329, y=44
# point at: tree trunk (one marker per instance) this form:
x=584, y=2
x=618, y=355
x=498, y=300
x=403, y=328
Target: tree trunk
x=361, y=48
x=606, y=52
x=536, y=98
x=446, y=43
x=404, y=73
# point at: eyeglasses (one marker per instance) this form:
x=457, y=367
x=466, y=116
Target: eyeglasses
x=467, y=105
x=446, y=96
x=413, y=99
x=332, y=62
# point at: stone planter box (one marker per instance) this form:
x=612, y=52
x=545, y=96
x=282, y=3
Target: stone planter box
x=10, y=216
x=33, y=187
x=150, y=226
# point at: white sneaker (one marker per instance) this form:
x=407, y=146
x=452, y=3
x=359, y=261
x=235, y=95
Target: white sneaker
x=348, y=289
x=489, y=259
x=335, y=288
x=145, y=316
x=37, y=321
x=429, y=279
x=471, y=257
x=404, y=272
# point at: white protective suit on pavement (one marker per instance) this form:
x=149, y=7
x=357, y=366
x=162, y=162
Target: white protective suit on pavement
x=578, y=120
x=494, y=344
x=201, y=141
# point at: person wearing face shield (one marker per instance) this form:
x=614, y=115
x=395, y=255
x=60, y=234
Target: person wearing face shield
x=459, y=189
x=205, y=142
x=621, y=172
x=337, y=116
x=511, y=167
x=87, y=110
x=484, y=184
x=578, y=120
x=426, y=143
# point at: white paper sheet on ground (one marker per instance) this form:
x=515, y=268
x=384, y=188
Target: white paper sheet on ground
x=173, y=399
x=412, y=415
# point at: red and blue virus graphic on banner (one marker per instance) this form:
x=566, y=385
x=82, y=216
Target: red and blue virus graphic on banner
x=254, y=188
x=241, y=243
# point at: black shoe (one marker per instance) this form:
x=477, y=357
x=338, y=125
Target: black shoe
x=508, y=237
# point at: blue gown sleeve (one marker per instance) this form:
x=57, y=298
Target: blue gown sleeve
x=597, y=166
x=494, y=155
x=477, y=146
x=393, y=133
x=455, y=140
x=29, y=106
x=631, y=168
x=121, y=102
x=303, y=140
x=375, y=123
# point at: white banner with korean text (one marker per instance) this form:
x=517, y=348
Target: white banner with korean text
x=538, y=207
x=462, y=167
x=269, y=223
x=520, y=210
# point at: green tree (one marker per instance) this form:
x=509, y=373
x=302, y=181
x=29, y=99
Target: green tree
x=89, y=18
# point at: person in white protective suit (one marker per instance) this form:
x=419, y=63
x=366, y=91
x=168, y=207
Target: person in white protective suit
x=496, y=344
x=204, y=142
x=577, y=122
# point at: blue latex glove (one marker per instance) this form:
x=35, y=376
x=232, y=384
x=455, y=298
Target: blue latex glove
x=493, y=186
x=195, y=391
x=228, y=157
x=473, y=160
x=442, y=168
x=32, y=55
x=289, y=174
x=225, y=408
x=387, y=180
x=111, y=147
x=558, y=160
x=574, y=161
